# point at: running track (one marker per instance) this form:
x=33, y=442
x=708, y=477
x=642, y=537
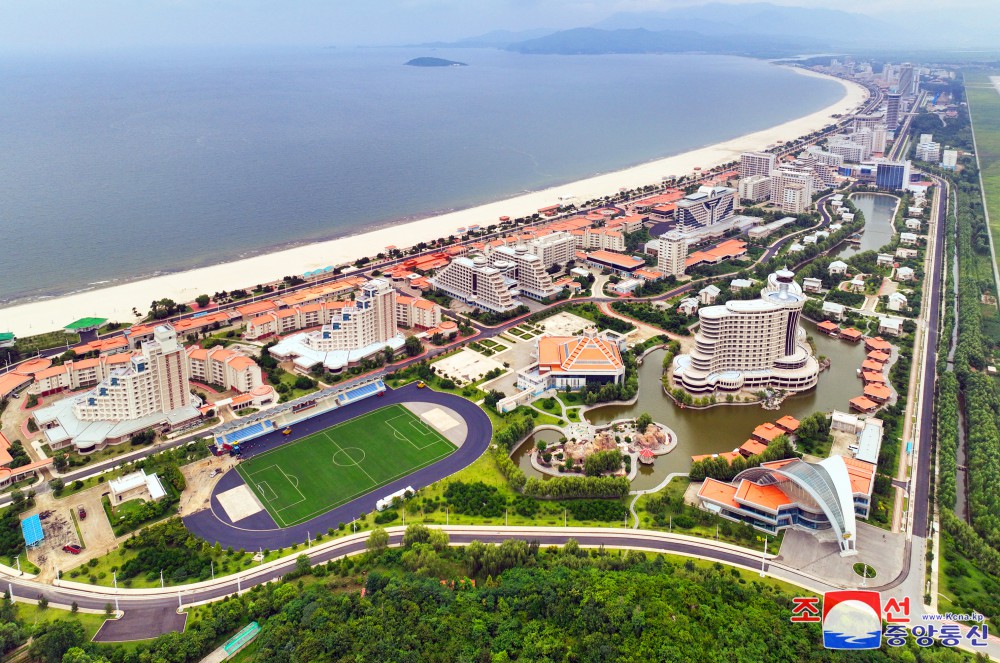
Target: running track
x=260, y=531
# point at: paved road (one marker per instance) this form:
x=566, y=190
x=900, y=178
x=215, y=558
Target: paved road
x=260, y=531
x=920, y=472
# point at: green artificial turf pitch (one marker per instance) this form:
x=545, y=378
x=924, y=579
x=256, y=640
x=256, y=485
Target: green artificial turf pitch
x=308, y=477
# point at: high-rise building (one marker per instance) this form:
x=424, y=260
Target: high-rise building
x=755, y=188
x=556, y=248
x=892, y=175
x=926, y=138
x=706, y=207
x=907, y=80
x=371, y=320
x=892, y=110
x=755, y=344
x=949, y=160
x=671, y=253
x=756, y=163
x=149, y=390
x=526, y=269
x=879, y=137
x=867, y=121
x=792, y=189
x=475, y=282
x=929, y=152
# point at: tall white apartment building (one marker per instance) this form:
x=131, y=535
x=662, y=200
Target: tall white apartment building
x=754, y=344
x=756, y=163
x=371, y=320
x=671, y=253
x=792, y=190
x=825, y=158
x=850, y=151
x=475, y=282
x=879, y=137
x=225, y=368
x=526, y=269
x=949, y=159
x=930, y=152
x=556, y=248
x=755, y=188
x=149, y=391
x=706, y=207
x=155, y=381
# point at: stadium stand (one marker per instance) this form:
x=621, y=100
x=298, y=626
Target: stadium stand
x=360, y=393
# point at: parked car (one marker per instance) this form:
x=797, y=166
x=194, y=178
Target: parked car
x=72, y=549
x=81, y=512
x=420, y=384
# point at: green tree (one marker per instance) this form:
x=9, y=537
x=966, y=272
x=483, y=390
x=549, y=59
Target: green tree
x=202, y=300
x=413, y=346
x=53, y=639
x=378, y=541
x=643, y=421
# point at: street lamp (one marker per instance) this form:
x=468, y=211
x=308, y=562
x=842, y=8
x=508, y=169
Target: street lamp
x=763, y=557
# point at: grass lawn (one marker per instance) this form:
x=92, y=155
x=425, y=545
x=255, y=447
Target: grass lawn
x=28, y=345
x=311, y=476
x=32, y=614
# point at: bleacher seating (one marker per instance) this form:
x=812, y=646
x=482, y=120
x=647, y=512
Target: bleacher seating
x=360, y=393
x=248, y=433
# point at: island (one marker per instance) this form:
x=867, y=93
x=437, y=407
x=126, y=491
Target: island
x=434, y=62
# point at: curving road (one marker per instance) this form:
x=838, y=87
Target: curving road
x=260, y=531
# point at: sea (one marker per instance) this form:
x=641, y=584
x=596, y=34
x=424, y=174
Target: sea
x=115, y=167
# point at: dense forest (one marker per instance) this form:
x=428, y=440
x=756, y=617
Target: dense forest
x=431, y=602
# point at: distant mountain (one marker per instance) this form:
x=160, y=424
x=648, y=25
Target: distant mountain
x=434, y=62
x=762, y=18
x=494, y=39
x=594, y=41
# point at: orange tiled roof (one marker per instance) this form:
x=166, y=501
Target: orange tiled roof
x=863, y=404
x=769, y=497
x=861, y=473
x=877, y=356
x=872, y=376
x=878, y=343
x=12, y=381
x=827, y=327
x=878, y=392
x=851, y=333
x=617, y=259
x=725, y=455
x=718, y=491
x=753, y=448
x=868, y=365
x=767, y=432
x=788, y=423
x=578, y=354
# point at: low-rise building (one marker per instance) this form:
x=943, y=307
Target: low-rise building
x=908, y=238
x=810, y=284
x=573, y=361
x=913, y=224
x=709, y=294
x=837, y=267
x=616, y=263
x=688, y=306
x=828, y=495
x=136, y=485
x=884, y=260
x=417, y=312
x=904, y=274
x=739, y=284
x=834, y=311
x=892, y=326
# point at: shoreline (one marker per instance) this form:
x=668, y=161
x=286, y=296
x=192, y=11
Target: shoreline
x=116, y=302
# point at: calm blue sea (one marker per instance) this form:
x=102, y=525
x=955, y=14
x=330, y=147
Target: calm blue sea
x=117, y=167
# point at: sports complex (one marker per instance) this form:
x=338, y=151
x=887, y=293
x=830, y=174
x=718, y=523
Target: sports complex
x=333, y=466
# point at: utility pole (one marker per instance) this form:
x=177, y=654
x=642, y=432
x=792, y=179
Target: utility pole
x=114, y=575
x=763, y=557
x=161, y=578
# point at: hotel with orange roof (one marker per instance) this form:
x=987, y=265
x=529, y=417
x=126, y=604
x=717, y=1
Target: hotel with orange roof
x=147, y=390
x=828, y=495
x=570, y=362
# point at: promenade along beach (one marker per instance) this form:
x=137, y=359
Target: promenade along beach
x=117, y=302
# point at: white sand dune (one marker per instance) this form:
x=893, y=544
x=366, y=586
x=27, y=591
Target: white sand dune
x=116, y=302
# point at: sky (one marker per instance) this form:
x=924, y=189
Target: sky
x=42, y=25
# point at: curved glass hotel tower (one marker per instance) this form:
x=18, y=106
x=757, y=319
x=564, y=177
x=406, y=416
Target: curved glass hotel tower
x=753, y=344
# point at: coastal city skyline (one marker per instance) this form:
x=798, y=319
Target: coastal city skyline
x=697, y=365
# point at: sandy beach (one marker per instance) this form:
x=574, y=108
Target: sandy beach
x=116, y=303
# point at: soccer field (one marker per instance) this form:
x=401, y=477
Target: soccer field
x=311, y=476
